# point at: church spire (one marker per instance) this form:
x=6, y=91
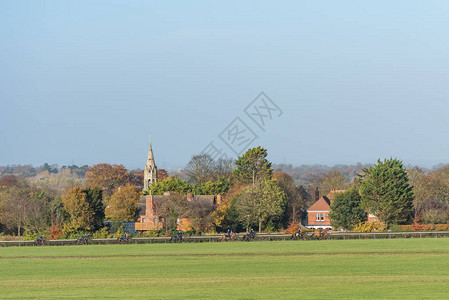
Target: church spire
x=150, y=159
x=150, y=170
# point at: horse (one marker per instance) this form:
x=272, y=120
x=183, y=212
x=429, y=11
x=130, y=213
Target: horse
x=83, y=241
x=297, y=236
x=124, y=240
x=228, y=238
x=249, y=236
x=177, y=237
x=320, y=235
x=40, y=241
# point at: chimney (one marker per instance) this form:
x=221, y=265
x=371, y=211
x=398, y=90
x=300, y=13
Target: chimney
x=218, y=200
x=317, y=194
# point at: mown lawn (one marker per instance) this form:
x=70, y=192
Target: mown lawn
x=397, y=268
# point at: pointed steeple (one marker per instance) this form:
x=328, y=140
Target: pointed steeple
x=150, y=170
x=150, y=160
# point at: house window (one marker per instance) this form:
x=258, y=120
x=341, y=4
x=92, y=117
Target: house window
x=155, y=220
x=143, y=220
x=322, y=217
x=317, y=217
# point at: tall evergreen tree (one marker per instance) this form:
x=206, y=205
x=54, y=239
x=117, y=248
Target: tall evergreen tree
x=346, y=210
x=253, y=166
x=386, y=192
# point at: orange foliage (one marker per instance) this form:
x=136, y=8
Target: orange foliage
x=292, y=227
x=162, y=174
x=55, y=231
x=220, y=213
x=108, y=177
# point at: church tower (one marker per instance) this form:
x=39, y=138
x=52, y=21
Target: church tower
x=150, y=170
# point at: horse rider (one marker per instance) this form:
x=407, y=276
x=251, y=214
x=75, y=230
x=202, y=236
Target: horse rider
x=124, y=236
x=39, y=239
x=229, y=233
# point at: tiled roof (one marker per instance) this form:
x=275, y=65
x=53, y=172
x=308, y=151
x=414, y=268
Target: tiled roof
x=324, y=202
x=321, y=204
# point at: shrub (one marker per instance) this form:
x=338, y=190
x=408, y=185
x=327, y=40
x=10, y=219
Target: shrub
x=103, y=233
x=370, y=227
x=55, y=231
x=292, y=227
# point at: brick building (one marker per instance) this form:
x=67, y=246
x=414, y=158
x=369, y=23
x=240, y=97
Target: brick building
x=318, y=213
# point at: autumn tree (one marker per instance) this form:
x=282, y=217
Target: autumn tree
x=200, y=168
x=200, y=212
x=135, y=178
x=108, y=177
x=259, y=202
x=171, y=208
x=20, y=208
x=431, y=191
x=123, y=204
x=80, y=214
x=386, y=192
x=332, y=180
x=253, y=166
x=8, y=180
x=295, y=196
x=346, y=210
x=162, y=174
x=224, y=215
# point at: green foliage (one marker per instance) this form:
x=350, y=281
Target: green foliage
x=103, y=233
x=94, y=196
x=171, y=184
x=253, y=166
x=386, y=192
x=260, y=202
x=218, y=187
x=346, y=210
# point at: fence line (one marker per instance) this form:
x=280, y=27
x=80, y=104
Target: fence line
x=259, y=237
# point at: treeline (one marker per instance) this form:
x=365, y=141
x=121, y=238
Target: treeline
x=32, y=207
x=253, y=194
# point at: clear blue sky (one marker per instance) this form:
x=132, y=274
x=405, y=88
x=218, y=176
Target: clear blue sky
x=89, y=81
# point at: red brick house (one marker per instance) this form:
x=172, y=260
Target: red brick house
x=318, y=213
x=149, y=218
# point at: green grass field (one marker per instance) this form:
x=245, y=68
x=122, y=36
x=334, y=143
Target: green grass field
x=396, y=268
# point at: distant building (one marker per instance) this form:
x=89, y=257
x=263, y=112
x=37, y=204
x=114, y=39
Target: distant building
x=147, y=208
x=318, y=213
x=150, y=170
x=149, y=218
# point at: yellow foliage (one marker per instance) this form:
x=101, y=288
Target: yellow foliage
x=370, y=227
x=76, y=205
